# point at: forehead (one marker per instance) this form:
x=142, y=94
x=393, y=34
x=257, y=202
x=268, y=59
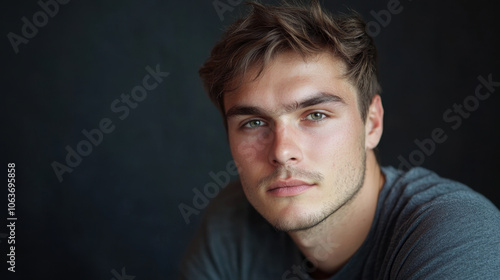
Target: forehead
x=289, y=77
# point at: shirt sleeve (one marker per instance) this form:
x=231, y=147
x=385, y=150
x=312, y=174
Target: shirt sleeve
x=200, y=260
x=455, y=237
x=212, y=252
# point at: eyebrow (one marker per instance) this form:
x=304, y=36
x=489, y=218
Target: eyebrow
x=319, y=98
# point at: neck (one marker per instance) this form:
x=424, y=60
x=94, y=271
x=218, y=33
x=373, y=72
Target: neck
x=330, y=244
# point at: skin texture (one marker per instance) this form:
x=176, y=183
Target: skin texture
x=305, y=156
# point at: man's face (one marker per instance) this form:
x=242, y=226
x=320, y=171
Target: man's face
x=297, y=137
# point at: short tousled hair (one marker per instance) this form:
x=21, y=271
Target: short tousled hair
x=307, y=29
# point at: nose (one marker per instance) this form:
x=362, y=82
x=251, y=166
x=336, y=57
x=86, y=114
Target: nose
x=285, y=147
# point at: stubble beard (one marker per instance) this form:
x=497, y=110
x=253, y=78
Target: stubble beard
x=313, y=220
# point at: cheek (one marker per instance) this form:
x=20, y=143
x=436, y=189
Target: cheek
x=249, y=149
x=334, y=144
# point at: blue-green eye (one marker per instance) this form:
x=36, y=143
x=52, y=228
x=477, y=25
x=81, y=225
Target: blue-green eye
x=316, y=116
x=254, y=123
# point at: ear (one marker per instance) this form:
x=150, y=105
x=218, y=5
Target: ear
x=374, y=123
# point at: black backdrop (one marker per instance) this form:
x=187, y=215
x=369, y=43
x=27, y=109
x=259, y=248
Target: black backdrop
x=117, y=212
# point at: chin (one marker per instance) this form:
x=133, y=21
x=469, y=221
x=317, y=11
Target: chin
x=291, y=225
x=296, y=219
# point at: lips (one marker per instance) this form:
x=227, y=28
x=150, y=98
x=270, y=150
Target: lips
x=288, y=188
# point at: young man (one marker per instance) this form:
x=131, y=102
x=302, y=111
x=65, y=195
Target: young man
x=299, y=95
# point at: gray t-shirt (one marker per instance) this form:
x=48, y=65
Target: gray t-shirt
x=425, y=227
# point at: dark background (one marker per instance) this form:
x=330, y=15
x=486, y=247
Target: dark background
x=119, y=207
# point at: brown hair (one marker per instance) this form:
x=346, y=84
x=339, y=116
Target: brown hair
x=271, y=30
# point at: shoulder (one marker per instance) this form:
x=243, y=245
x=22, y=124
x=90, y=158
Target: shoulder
x=206, y=257
x=230, y=206
x=440, y=228
x=420, y=188
x=234, y=240
x=226, y=213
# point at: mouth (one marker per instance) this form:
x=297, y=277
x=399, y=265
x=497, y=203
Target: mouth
x=285, y=188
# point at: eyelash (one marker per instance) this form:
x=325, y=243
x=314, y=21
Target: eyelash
x=246, y=124
x=323, y=116
x=263, y=123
